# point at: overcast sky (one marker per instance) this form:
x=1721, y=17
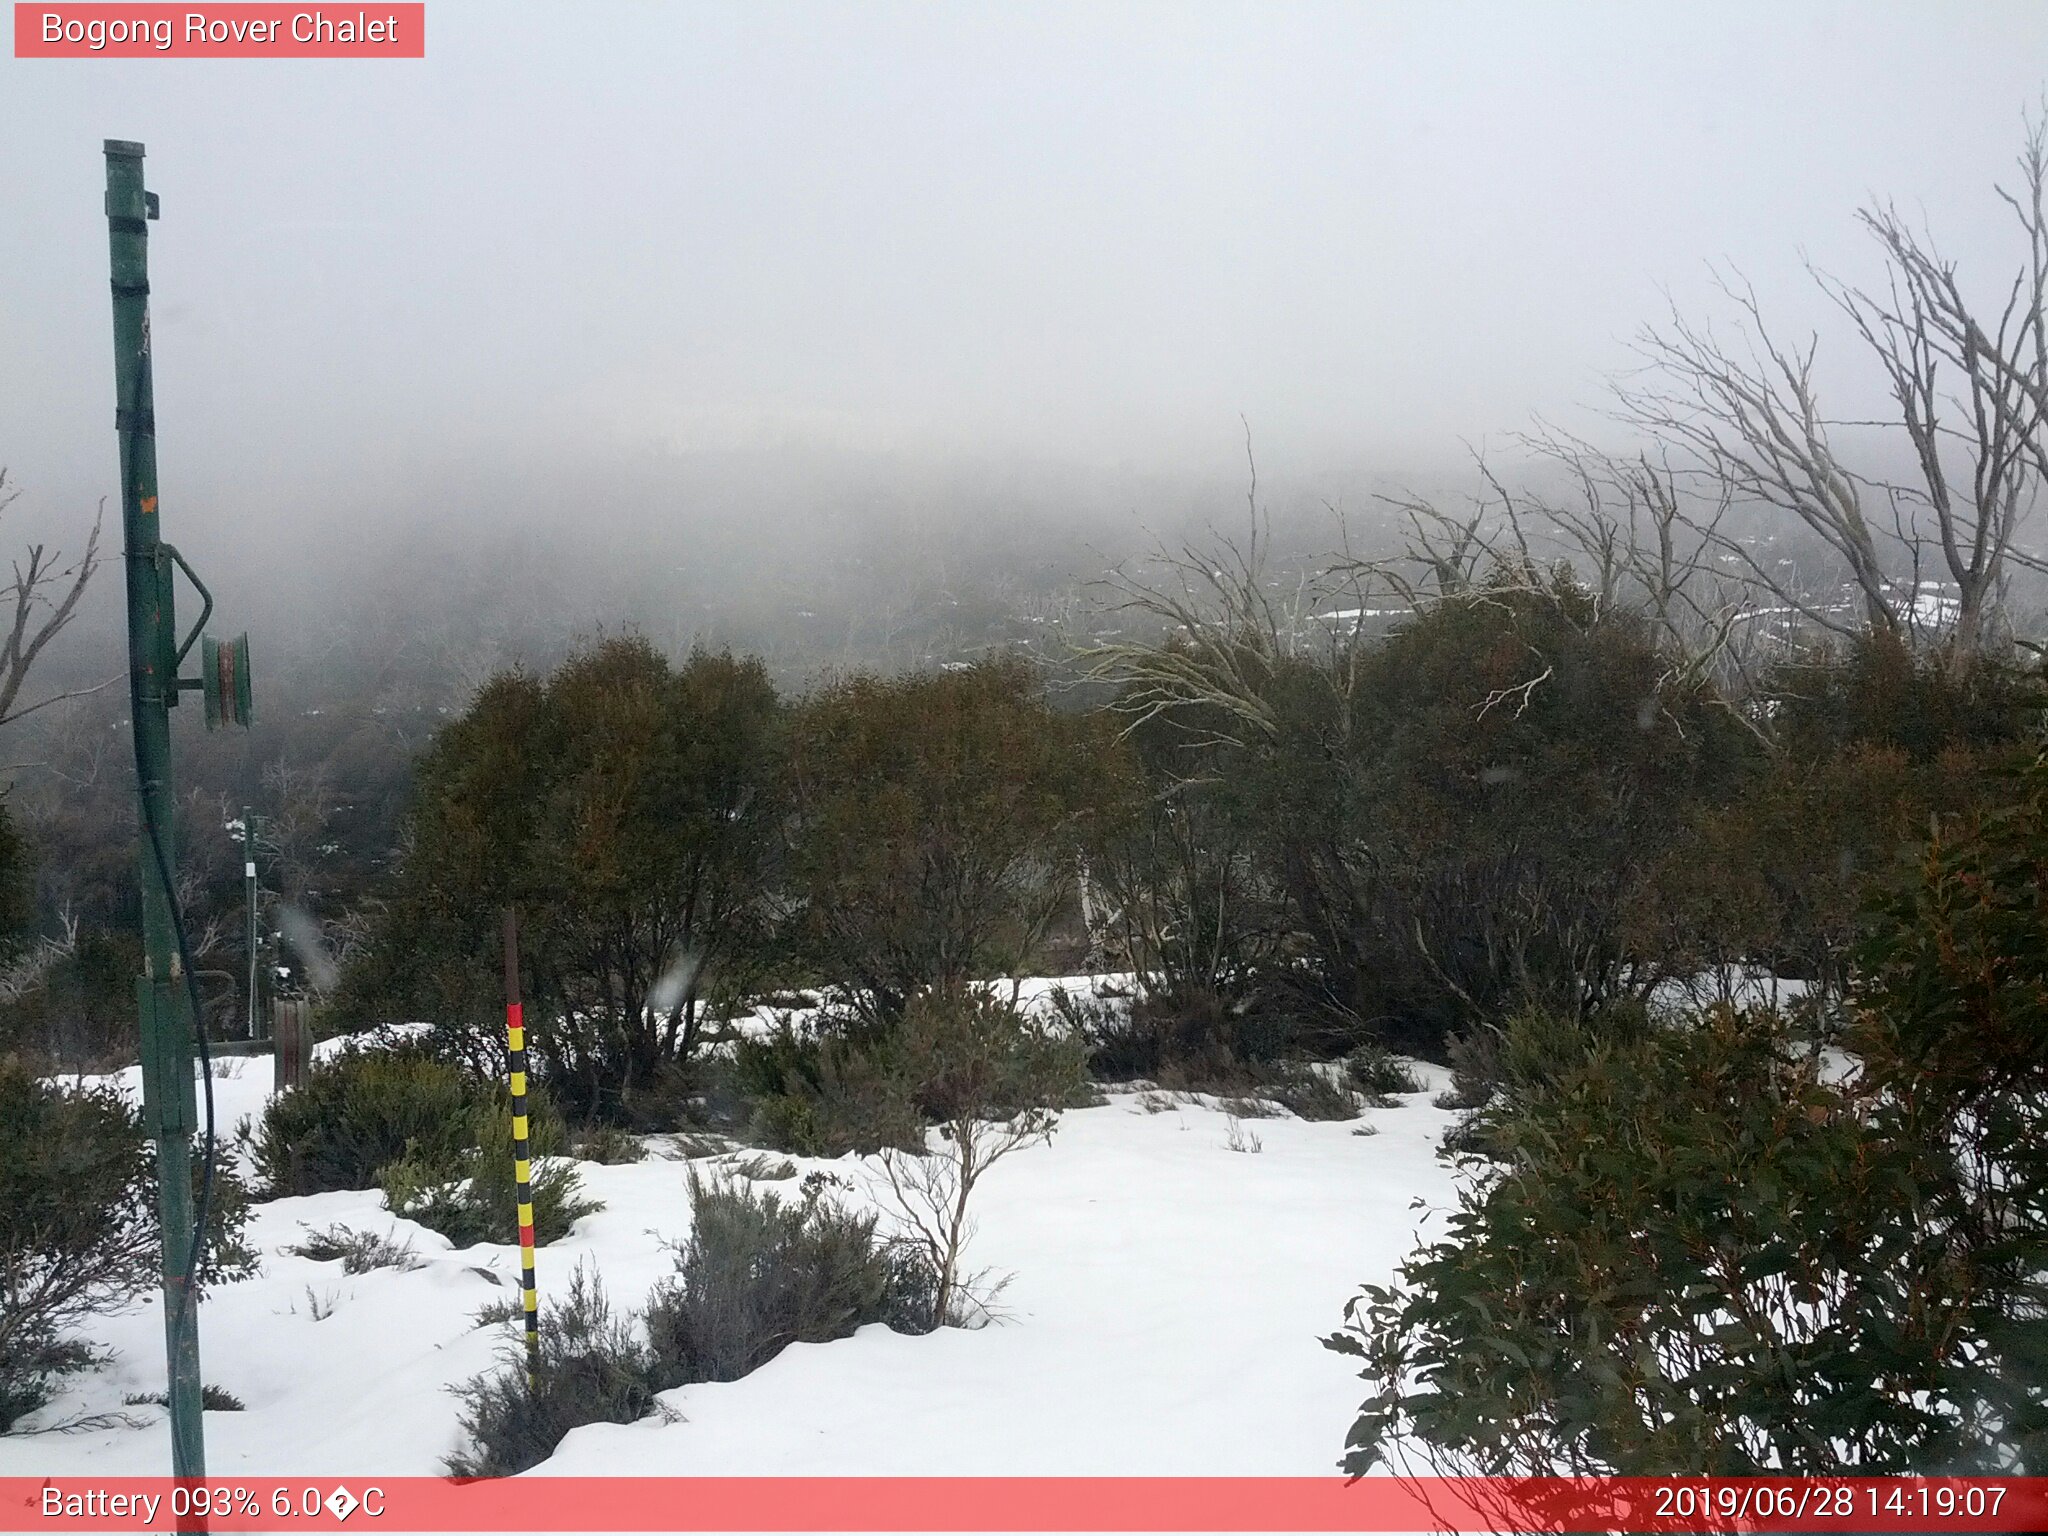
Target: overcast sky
x=1091, y=234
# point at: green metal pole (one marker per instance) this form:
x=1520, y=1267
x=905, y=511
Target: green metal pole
x=169, y=1101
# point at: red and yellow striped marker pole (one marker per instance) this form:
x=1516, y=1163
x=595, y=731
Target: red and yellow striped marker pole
x=522, y=1163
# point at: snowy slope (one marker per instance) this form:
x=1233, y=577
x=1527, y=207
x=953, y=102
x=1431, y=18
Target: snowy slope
x=1163, y=1318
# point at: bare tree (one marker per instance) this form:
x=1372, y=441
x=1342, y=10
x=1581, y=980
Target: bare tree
x=1225, y=636
x=1230, y=627
x=1748, y=415
x=1970, y=391
x=295, y=830
x=1635, y=537
x=996, y=1081
x=1925, y=322
x=930, y=1193
x=45, y=594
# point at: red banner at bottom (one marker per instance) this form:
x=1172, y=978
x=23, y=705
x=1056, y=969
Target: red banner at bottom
x=1017, y=1504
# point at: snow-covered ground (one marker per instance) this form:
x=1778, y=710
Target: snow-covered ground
x=1167, y=1300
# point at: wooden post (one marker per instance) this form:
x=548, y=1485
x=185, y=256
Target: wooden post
x=291, y=1035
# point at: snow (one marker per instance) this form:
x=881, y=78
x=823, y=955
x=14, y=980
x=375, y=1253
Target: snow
x=1164, y=1314
x=1741, y=986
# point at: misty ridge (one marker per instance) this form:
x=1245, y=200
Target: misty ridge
x=816, y=560
x=813, y=559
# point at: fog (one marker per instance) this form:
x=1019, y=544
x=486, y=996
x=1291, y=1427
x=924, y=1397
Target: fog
x=679, y=314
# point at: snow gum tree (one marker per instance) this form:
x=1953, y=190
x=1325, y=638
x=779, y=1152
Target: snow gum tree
x=629, y=808
x=936, y=823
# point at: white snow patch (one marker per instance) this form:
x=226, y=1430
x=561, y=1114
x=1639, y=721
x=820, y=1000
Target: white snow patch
x=1164, y=1318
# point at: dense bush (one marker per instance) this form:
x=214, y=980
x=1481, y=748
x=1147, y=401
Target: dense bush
x=1458, y=820
x=937, y=823
x=1516, y=764
x=461, y=1185
x=1693, y=1257
x=1950, y=1021
x=1872, y=743
x=594, y=1369
x=73, y=1006
x=1685, y=1252
x=755, y=1275
x=16, y=863
x=1189, y=906
x=830, y=1085
x=1875, y=692
x=758, y=1274
x=438, y=1142
x=78, y=1227
x=355, y=1114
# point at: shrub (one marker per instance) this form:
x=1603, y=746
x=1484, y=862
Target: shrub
x=1688, y=1255
x=493, y=1313
x=1312, y=1095
x=593, y=1370
x=213, y=1399
x=358, y=1112
x=758, y=1274
x=1475, y=1067
x=1534, y=1046
x=32, y=1363
x=1249, y=1108
x=228, y=1254
x=1503, y=1064
x=1196, y=1038
x=359, y=1252
x=828, y=1088
x=78, y=1227
x=1122, y=1046
x=995, y=1079
x=764, y=1169
x=463, y=1188
x=1378, y=1074
x=607, y=1144
x=970, y=1054
x=439, y=1143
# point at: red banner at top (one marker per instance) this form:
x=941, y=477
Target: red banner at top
x=242, y=31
